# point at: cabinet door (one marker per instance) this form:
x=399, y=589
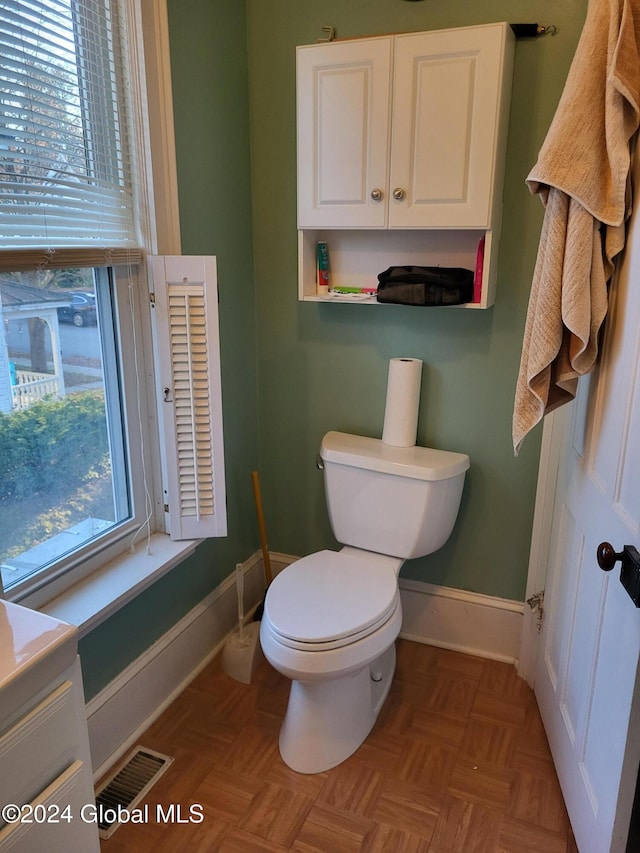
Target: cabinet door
x=448, y=100
x=343, y=133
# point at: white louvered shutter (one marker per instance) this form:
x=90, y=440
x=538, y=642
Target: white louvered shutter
x=187, y=348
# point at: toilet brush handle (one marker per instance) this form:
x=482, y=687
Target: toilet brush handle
x=255, y=480
x=240, y=591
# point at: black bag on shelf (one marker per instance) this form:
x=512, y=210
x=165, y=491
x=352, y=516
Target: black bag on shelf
x=425, y=286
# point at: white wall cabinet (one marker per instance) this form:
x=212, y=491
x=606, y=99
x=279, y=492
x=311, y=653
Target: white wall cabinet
x=401, y=133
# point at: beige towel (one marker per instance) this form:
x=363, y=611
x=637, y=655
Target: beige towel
x=582, y=176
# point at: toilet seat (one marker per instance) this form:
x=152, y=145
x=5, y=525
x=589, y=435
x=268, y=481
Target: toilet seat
x=331, y=599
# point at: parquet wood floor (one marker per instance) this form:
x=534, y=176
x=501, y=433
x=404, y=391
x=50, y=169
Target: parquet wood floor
x=458, y=762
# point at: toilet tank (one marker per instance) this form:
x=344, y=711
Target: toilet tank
x=400, y=501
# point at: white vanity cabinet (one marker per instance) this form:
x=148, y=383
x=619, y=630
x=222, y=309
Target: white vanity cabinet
x=401, y=133
x=45, y=766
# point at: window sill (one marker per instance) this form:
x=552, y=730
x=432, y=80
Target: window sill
x=98, y=596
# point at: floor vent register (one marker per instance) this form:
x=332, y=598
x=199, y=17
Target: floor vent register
x=120, y=793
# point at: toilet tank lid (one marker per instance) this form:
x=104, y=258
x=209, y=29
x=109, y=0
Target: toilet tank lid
x=420, y=463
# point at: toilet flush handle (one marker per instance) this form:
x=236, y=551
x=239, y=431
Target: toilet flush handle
x=319, y=463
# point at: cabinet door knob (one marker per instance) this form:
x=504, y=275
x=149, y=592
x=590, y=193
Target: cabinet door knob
x=376, y=194
x=398, y=193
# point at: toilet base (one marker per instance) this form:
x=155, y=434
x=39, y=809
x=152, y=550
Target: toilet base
x=326, y=721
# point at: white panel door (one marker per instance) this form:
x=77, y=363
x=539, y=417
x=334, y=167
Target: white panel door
x=343, y=97
x=447, y=91
x=587, y=674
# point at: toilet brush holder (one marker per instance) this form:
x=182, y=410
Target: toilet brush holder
x=241, y=656
x=242, y=652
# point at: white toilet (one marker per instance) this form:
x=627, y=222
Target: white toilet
x=331, y=619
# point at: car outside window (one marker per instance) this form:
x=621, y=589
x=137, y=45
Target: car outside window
x=81, y=310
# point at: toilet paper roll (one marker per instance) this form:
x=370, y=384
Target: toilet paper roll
x=403, y=401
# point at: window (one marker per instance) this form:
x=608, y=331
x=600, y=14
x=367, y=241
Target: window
x=83, y=473
x=66, y=462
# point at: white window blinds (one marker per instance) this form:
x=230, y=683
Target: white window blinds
x=185, y=303
x=65, y=149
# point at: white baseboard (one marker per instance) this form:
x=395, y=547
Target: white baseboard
x=140, y=693
x=447, y=618
x=463, y=621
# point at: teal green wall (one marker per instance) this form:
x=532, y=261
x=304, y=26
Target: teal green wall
x=209, y=69
x=292, y=370
x=324, y=367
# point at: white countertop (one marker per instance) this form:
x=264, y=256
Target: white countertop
x=34, y=649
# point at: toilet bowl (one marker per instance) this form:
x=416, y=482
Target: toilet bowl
x=338, y=650
x=331, y=619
